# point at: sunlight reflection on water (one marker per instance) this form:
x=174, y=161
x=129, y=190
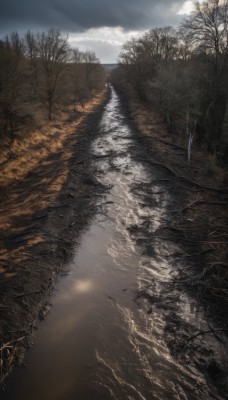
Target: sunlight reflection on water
x=98, y=344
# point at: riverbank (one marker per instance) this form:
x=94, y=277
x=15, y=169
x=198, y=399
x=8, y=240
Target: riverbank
x=201, y=213
x=119, y=325
x=127, y=291
x=47, y=198
x=197, y=221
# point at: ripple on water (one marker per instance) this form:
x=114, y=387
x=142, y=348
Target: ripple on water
x=106, y=328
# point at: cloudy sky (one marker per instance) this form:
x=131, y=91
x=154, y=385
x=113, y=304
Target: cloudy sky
x=100, y=25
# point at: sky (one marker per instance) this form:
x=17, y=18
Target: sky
x=99, y=25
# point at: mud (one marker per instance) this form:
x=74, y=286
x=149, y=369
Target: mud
x=44, y=228
x=129, y=326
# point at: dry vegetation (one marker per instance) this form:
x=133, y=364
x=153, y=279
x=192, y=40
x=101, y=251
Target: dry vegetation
x=46, y=97
x=30, y=149
x=42, y=196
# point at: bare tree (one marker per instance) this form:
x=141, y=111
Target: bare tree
x=40, y=68
x=89, y=59
x=207, y=27
x=77, y=75
x=53, y=53
x=90, y=73
x=140, y=57
x=31, y=53
x=11, y=78
x=137, y=62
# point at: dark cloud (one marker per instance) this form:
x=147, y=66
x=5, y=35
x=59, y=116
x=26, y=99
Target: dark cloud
x=85, y=20
x=80, y=15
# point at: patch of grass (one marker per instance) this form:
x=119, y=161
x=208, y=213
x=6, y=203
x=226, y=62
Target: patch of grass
x=32, y=145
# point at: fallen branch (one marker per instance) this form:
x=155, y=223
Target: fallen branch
x=200, y=333
x=188, y=180
x=8, y=344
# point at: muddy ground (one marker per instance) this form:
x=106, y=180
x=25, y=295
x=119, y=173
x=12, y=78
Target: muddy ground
x=42, y=213
x=36, y=251
x=198, y=221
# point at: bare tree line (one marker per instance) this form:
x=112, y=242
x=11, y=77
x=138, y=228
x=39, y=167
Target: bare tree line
x=40, y=70
x=187, y=68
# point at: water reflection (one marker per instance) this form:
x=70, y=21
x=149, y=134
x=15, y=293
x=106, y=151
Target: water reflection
x=97, y=343
x=83, y=286
x=77, y=288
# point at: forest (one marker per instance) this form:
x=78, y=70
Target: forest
x=39, y=74
x=184, y=72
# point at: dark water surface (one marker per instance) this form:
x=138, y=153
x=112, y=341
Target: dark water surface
x=97, y=342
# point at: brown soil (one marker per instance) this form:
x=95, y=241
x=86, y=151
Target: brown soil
x=47, y=198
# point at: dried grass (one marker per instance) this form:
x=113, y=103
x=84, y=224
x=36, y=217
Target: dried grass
x=31, y=149
x=33, y=172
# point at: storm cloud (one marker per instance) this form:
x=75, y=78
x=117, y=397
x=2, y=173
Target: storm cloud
x=99, y=25
x=80, y=15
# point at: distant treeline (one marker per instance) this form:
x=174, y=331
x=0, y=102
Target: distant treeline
x=41, y=71
x=185, y=71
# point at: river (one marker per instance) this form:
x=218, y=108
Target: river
x=100, y=340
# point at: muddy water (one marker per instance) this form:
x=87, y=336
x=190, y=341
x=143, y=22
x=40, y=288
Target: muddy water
x=98, y=342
